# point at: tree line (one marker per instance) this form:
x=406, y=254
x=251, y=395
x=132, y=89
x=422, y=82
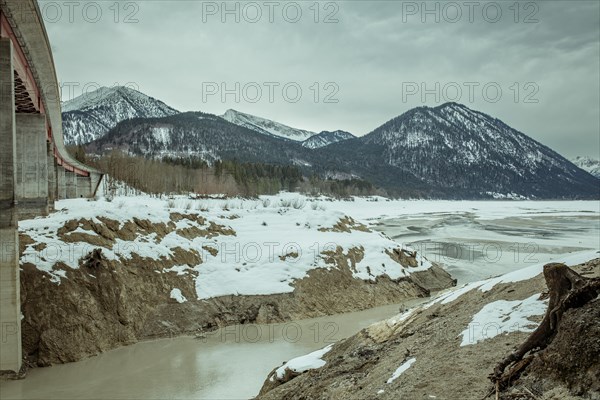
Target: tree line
x=179, y=175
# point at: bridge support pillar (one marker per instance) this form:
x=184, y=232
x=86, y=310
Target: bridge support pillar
x=52, y=182
x=10, y=295
x=32, y=165
x=95, y=181
x=84, y=186
x=71, y=184
x=61, y=182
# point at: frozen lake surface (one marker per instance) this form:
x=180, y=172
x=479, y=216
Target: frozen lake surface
x=476, y=244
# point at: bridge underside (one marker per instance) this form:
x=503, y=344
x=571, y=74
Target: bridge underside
x=35, y=169
x=10, y=305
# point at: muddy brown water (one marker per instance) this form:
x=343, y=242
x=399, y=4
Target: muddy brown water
x=230, y=363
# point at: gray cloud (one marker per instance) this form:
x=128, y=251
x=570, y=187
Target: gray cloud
x=372, y=54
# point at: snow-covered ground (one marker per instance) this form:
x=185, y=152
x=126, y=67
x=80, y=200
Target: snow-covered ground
x=472, y=239
x=270, y=242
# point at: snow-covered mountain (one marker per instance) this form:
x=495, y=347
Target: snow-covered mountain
x=197, y=134
x=91, y=115
x=453, y=149
x=449, y=151
x=588, y=164
x=266, y=126
x=326, y=138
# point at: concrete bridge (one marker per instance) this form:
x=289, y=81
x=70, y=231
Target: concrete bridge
x=35, y=168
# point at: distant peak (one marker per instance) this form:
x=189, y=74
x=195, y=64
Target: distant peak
x=111, y=89
x=231, y=113
x=126, y=90
x=452, y=106
x=104, y=92
x=110, y=96
x=122, y=90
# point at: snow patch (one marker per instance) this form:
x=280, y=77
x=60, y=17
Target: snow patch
x=401, y=369
x=503, y=316
x=304, y=363
x=177, y=295
x=162, y=135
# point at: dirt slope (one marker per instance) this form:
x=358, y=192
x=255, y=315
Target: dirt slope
x=109, y=302
x=360, y=366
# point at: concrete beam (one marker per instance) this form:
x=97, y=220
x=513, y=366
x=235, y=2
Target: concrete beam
x=32, y=165
x=10, y=295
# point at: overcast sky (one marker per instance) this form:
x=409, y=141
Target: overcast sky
x=357, y=63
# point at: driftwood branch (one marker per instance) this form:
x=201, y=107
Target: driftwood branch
x=567, y=290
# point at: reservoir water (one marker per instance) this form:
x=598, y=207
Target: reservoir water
x=230, y=363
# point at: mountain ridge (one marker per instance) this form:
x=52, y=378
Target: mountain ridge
x=588, y=164
x=453, y=147
x=325, y=138
x=91, y=115
x=446, y=151
x=266, y=126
